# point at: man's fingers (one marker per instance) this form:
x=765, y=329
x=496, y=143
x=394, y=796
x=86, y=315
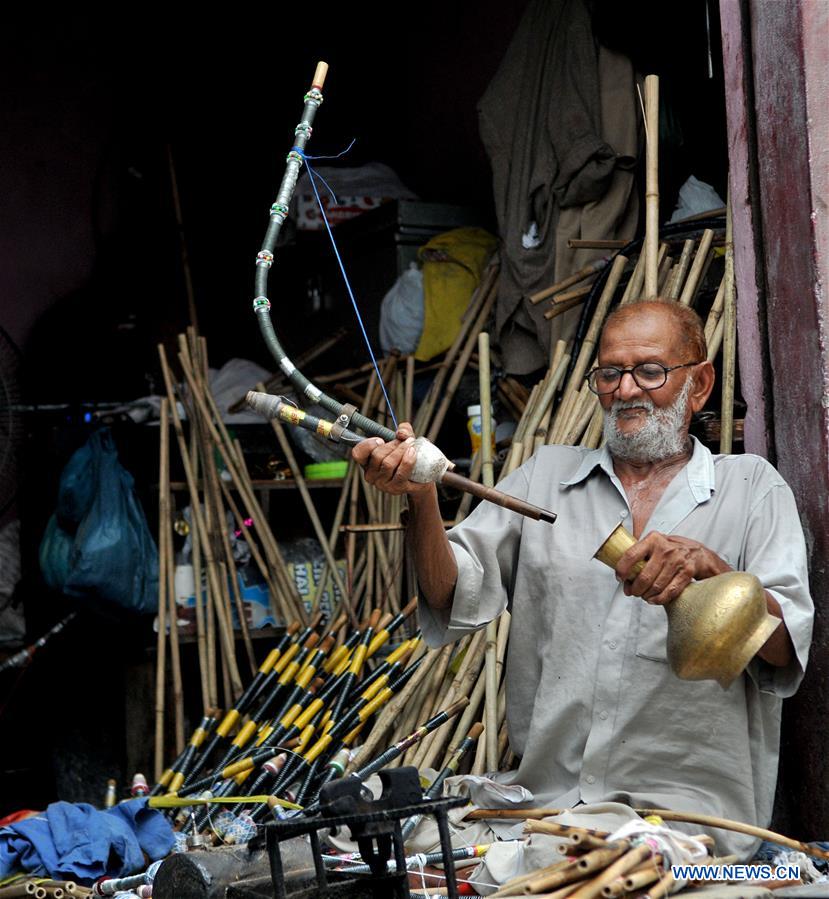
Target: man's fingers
x=404, y=431
x=639, y=552
x=361, y=452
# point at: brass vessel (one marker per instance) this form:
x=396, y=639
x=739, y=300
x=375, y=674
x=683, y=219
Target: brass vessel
x=715, y=626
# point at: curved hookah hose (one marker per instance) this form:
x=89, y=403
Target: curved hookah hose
x=262, y=307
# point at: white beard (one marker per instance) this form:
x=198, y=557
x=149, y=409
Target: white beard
x=662, y=436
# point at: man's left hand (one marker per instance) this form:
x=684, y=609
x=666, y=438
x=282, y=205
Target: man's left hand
x=671, y=563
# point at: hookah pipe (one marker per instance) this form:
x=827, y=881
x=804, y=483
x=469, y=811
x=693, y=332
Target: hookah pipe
x=431, y=464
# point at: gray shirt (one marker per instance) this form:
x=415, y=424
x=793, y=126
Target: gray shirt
x=593, y=709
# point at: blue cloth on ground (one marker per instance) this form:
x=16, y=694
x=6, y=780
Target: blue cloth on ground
x=79, y=842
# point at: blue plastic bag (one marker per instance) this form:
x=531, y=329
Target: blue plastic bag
x=113, y=555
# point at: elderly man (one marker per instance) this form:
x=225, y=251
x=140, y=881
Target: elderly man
x=594, y=712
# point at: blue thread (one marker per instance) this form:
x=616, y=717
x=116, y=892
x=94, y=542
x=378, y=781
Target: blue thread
x=313, y=176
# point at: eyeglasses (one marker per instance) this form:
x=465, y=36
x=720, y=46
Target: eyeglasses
x=647, y=375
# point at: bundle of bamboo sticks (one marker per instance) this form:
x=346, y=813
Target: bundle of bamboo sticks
x=366, y=529
x=593, y=866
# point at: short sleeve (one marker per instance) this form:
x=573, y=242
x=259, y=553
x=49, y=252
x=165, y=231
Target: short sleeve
x=486, y=548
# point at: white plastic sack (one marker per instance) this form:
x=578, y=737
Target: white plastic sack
x=696, y=197
x=401, y=313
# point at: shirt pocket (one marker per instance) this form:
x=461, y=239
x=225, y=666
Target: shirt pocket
x=651, y=632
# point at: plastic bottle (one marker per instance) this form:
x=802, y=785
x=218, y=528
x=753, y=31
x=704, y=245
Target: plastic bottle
x=474, y=426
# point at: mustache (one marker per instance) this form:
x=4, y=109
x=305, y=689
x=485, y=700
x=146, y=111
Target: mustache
x=620, y=405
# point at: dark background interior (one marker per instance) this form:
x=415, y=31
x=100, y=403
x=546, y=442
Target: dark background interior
x=91, y=273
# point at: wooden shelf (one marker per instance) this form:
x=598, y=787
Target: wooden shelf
x=286, y=484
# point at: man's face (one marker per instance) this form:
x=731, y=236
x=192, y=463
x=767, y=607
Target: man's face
x=647, y=425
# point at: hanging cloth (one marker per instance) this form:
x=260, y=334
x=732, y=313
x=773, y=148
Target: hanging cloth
x=541, y=122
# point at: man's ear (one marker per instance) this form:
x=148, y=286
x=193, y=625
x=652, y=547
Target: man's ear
x=703, y=384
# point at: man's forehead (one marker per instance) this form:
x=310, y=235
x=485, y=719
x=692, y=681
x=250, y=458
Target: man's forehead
x=651, y=327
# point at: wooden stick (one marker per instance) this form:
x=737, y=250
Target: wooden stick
x=715, y=341
x=575, y=298
x=241, y=481
x=662, y=887
x=715, y=312
x=689, y=291
x=587, y=864
x=563, y=830
x=651, y=245
x=457, y=374
x=213, y=499
x=199, y=606
x=519, y=814
x=590, y=269
x=161, y=640
x=514, y=886
x=575, y=243
x=225, y=629
x=736, y=827
x=182, y=243
x=588, y=346
x=486, y=288
x=729, y=356
x=310, y=508
x=170, y=573
x=674, y=287
x=630, y=858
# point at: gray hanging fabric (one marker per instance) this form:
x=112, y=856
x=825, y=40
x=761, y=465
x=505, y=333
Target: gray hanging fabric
x=557, y=151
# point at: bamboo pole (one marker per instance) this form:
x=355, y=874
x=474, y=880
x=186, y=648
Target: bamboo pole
x=490, y=741
x=310, y=508
x=460, y=688
x=225, y=630
x=161, y=640
x=207, y=634
x=241, y=481
x=651, y=246
x=729, y=360
x=715, y=313
x=689, y=291
x=213, y=501
x=588, y=347
x=460, y=366
x=172, y=605
x=182, y=243
x=590, y=269
x=201, y=633
x=484, y=294
x=566, y=302
x=736, y=827
x=716, y=341
x=678, y=277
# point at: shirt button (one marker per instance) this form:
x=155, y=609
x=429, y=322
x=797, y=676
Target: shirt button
x=590, y=779
x=603, y=716
x=613, y=644
x=623, y=513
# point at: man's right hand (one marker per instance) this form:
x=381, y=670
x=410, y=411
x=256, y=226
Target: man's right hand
x=387, y=466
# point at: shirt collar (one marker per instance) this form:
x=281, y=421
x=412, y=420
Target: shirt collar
x=699, y=471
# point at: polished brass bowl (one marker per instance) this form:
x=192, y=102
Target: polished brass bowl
x=715, y=626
